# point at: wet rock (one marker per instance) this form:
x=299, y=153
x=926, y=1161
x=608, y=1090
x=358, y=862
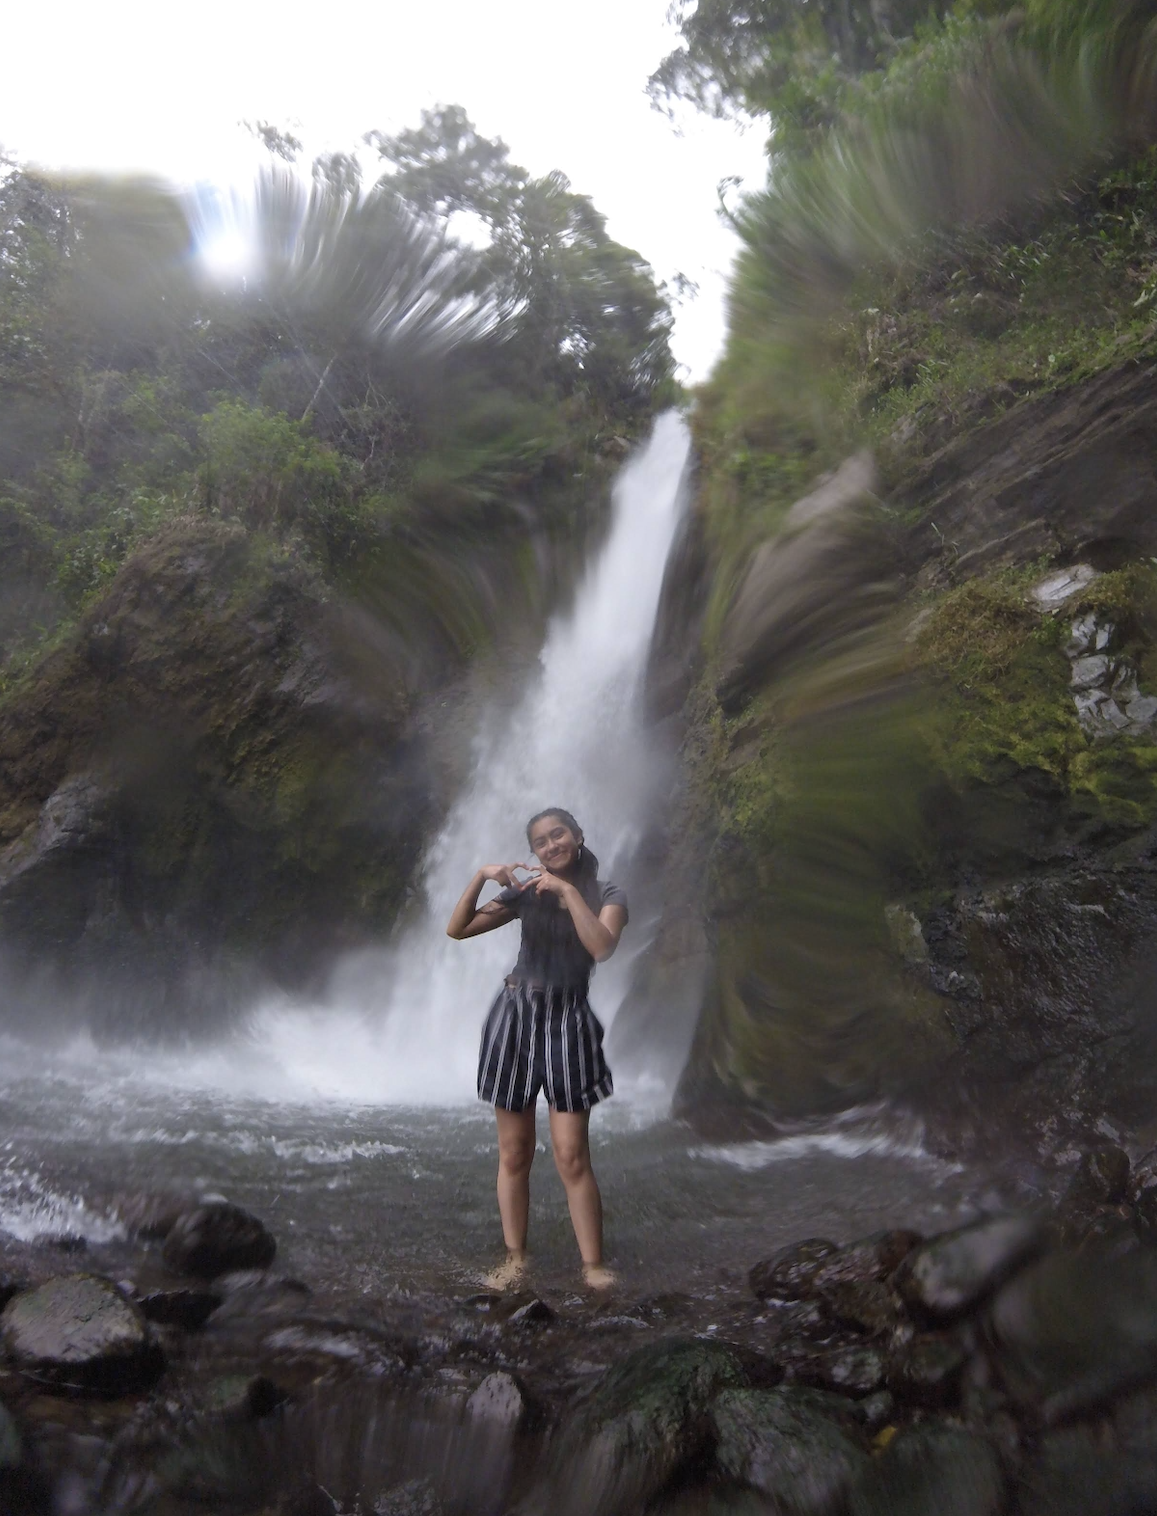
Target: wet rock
x=241, y=1397
x=151, y=1215
x=951, y=1273
x=932, y=1470
x=414, y=1497
x=1075, y=1474
x=187, y=1309
x=788, y=1275
x=10, y=1287
x=926, y=1371
x=1073, y=1330
x=800, y=1447
x=536, y=1313
x=876, y=1410
x=499, y=1399
x=1143, y=1199
x=1102, y=1175
x=847, y=1371
x=80, y=1334
x=869, y=1306
x=217, y=1238
x=871, y=1258
x=642, y=1421
x=63, y=1242
x=11, y=1448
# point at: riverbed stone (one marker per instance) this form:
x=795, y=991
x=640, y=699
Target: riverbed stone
x=217, y=1238
x=642, y=1421
x=79, y=1334
x=932, y=1470
x=846, y=1371
x=241, y=1397
x=871, y=1258
x=798, y=1446
x=867, y=1305
x=188, y=1309
x=1074, y=1474
x=952, y=1273
x=1102, y=1174
x=1074, y=1330
x=499, y=1399
x=151, y=1214
x=788, y=1274
x=11, y=1447
x=927, y=1370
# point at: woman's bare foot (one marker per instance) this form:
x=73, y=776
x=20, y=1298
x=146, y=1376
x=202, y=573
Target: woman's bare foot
x=596, y=1276
x=507, y=1274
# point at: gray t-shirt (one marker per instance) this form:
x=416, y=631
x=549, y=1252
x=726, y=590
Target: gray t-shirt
x=551, y=952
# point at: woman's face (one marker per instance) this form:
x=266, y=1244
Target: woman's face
x=554, y=844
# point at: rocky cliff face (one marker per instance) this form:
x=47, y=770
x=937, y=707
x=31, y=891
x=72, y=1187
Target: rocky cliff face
x=928, y=867
x=216, y=782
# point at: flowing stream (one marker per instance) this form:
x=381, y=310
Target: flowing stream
x=351, y=1126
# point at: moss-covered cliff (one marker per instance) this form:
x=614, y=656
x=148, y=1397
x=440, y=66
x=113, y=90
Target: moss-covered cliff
x=912, y=632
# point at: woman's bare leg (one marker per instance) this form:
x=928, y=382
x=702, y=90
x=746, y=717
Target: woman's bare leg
x=570, y=1138
x=516, y=1137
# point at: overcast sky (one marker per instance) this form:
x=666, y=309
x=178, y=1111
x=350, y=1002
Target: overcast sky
x=137, y=84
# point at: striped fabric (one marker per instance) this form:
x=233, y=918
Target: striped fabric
x=542, y=1039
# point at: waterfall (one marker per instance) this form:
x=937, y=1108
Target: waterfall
x=577, y=738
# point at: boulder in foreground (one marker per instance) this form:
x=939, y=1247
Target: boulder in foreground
x=80, y=1335
x=216, y=1238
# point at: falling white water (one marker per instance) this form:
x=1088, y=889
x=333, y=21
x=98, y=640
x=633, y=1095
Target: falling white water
x=403, y=1026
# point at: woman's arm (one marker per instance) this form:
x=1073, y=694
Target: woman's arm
x=598, y=934
x=468, y=919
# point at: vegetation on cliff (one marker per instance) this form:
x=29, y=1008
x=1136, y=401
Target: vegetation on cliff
x=252, y=514
x=953, y=264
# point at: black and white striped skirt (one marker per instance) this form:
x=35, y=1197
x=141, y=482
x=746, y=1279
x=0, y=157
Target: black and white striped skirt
x=542, y=1039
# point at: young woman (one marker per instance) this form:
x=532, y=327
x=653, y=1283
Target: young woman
x=541, y=1033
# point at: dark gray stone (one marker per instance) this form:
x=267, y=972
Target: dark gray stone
x=871, y=1258
x=951, y=1273
x=1102, y=1174
x=184, y=1308
x=1075, y=1474
x=932, y=1470
x=644, y=1420
x=796, y=1445
x=217, y=1238
x=875, y=1410
x=499, y=1399
x=1073, y=1330
x=241, y=1397
x=846, y=1371
x=80, y=1334
x=11, y=1448
x=869, y=1306
x=788, y=1274
x=926, y=1371
x=536, y=1313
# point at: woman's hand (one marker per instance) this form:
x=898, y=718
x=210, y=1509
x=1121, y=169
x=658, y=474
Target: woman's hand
x=550, y=884
x=503, y=873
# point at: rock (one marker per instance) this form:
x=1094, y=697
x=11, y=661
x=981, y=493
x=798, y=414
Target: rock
x=11, y=1448
x=217, y=1238
x=63, y=1242
x=1143, y=1198
x=847, y=1371
x=1073, y=1330
x=788, y=1274
x=241, y=1397
x=797, y=1446
x=868, y=1306
x=80, y=1334
x=1091, y=671
x=152, y=1214
x=1102, y=1175
x=871, y=1258
x=932, y=1470
x=187, y=1309
x=641, y=1422
x=1051, y=592
x=10, y=1287
x=926, y=1371
x=875, y=1410
x=499, y=1399
x=1074, y=1474
x=953, y=1272
x=535, y=1313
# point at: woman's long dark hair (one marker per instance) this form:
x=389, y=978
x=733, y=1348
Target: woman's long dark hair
x=587, y=870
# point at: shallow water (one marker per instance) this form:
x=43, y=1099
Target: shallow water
x=367, y=1200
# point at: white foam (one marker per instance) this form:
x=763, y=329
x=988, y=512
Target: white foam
x=858, y=1133
x=31, y=1210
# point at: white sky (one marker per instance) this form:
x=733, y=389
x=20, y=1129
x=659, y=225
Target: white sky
x=141, y=84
